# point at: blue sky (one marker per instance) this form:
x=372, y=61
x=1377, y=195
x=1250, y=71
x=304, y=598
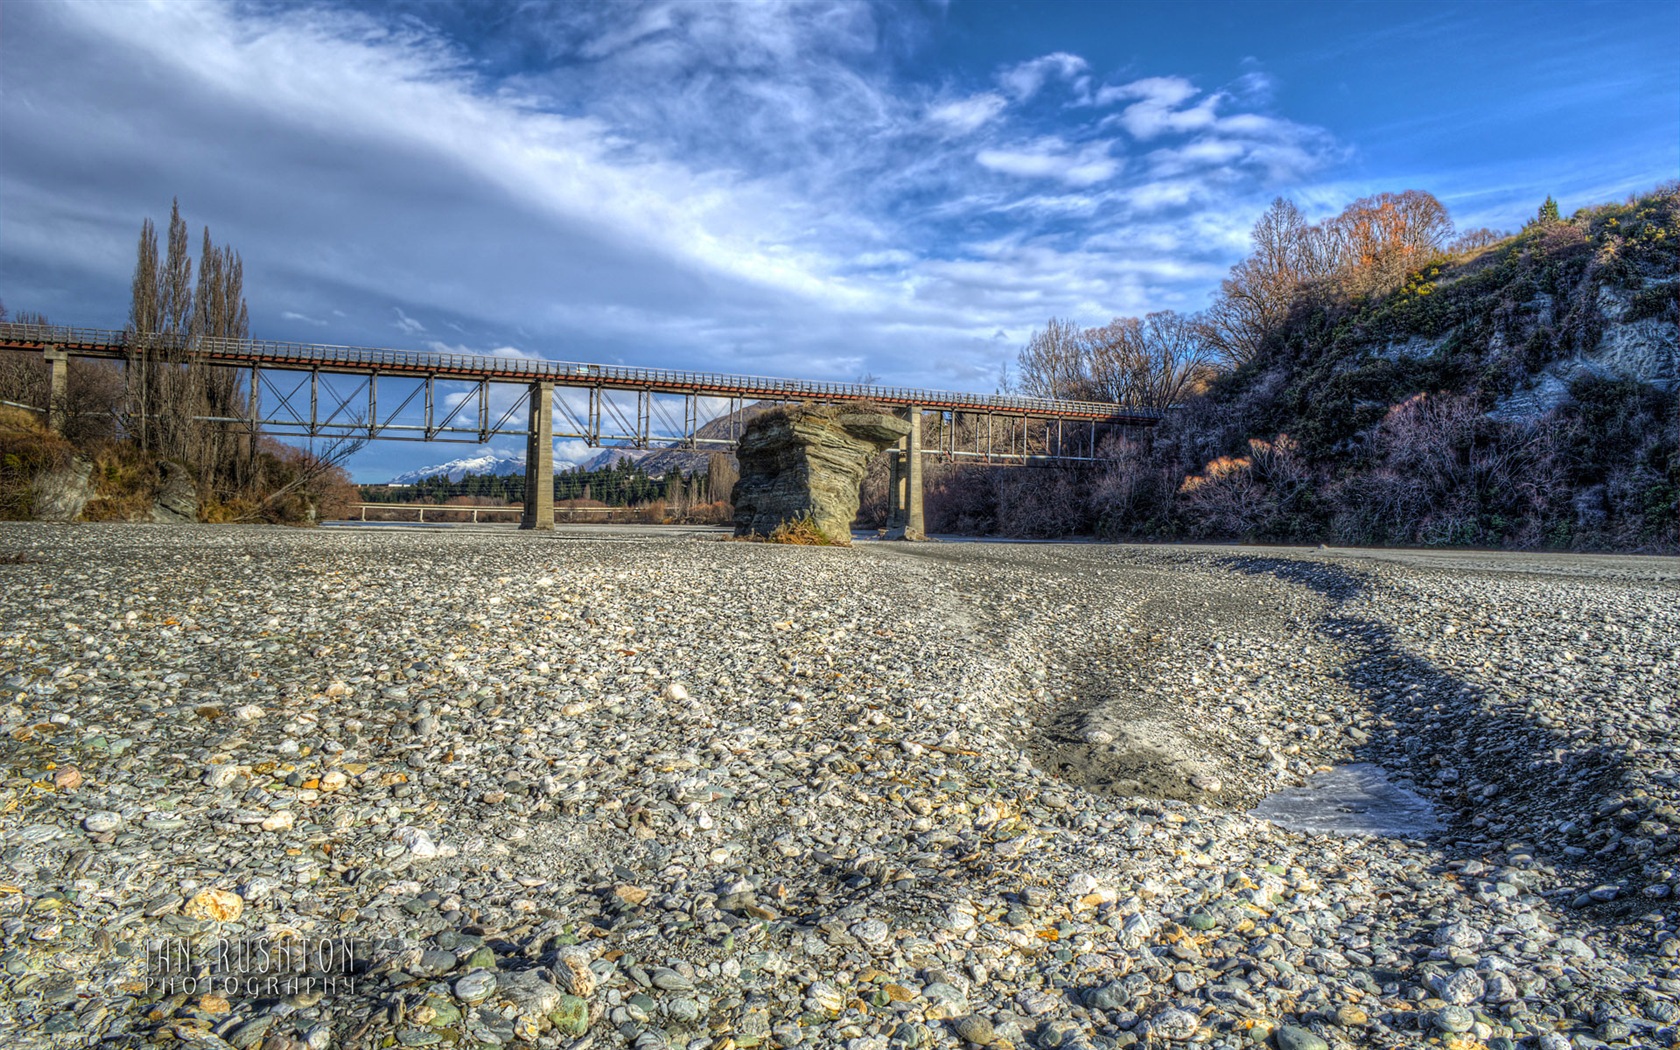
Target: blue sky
x=819, y=190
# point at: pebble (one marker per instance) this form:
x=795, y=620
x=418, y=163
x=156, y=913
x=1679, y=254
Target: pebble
x=886, y=825
x=214, y=905
x=1291, y=1037
x=976, y=1030
x=102, y=821
x=475, y=987
x=1175, y=1024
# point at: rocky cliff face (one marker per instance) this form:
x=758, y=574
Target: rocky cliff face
x=60, y=494
x=808, y=463
x=1643, y=348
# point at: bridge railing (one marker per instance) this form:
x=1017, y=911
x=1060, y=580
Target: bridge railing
x=277, y=353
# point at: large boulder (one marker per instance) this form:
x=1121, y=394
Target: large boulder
x=808, y=463
x=176, y=501
x=60, y=494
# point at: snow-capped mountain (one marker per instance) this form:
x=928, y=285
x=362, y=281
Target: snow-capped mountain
x=609, y=457
x=492, y=461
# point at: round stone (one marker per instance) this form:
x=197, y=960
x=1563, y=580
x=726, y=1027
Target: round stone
x=1111, y=996
x=102, y=821
x=1462, y=988
x=1452, y=1019
x=871, y=932
x=475, y=987
x=1293, y=1037
x=976, y=1029
x=1458, y=935
x=573, y=972
x=215, y=905
x=1174, y=1024
x=571, y=1016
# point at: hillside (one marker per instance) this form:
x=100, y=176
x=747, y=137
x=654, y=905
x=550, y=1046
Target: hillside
x=1519, y=394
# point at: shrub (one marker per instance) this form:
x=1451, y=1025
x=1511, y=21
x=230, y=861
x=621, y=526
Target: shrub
x=802, y=532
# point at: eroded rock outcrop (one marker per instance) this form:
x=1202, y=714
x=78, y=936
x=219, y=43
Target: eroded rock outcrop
x=61, y=493
x=808, y=463
x=177, y=497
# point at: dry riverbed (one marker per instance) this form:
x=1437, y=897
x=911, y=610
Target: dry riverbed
x=603, y=789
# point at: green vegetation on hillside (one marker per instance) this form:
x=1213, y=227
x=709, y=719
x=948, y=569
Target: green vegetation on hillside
x=1383, y=384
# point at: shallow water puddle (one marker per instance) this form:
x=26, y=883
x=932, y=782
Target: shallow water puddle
x=1357, y=799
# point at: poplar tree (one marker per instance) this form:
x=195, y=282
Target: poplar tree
x=144, y=319
x=171, y=394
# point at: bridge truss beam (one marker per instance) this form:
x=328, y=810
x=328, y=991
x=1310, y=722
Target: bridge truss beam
x=334, y=393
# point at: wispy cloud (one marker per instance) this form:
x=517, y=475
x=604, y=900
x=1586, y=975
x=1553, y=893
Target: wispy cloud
x=1052, y=158
x=756, y=188
x=964, y=115
x=1024, y=80
x=1161, y=107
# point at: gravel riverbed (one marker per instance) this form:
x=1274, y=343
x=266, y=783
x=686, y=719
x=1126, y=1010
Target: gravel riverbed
x=655, y=790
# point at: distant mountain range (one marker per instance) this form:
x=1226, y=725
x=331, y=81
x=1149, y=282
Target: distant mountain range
x=656, y=462
x=492, y=461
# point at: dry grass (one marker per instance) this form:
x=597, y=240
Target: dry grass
x=27, y=450
x=124, y=483
x=802, y=532
x=16, y=421
x=233, y=509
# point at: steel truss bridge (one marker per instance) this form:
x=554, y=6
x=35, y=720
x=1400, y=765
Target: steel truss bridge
x=348, y=392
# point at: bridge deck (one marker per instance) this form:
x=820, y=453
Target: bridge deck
x=356, y=360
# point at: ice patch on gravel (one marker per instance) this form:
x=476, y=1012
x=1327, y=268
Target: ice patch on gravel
x=1357, y=799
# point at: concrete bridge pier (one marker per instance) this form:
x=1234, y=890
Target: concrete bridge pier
x=904, y=490
x=538, y=511
x=895, y=486
x=58, y=387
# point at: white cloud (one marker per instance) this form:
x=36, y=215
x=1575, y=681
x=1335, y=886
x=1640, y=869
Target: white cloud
x=1024, y=80
x=1159, y=107
x=965, y=115
x=1052, y=158
x=752, y=189
x=406, y=324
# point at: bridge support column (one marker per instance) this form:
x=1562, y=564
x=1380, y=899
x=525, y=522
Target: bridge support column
x=895, y=487
x=913, y=479
x=58, y=387
x=904, y=495
x=539, y=460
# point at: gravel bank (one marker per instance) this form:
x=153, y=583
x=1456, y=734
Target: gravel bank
x=663, y=791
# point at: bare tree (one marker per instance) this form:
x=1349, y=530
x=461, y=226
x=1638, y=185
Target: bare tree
x=1155, y=362
x=1470, y=240
x=219, y=312
x=721, y=477
x=145, y=319
x=314, y=475
x=1369, y=248
x=175, y=282
x=1380, y=239
x=1256, y=297
x=174, y=400
x=1053, y=363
